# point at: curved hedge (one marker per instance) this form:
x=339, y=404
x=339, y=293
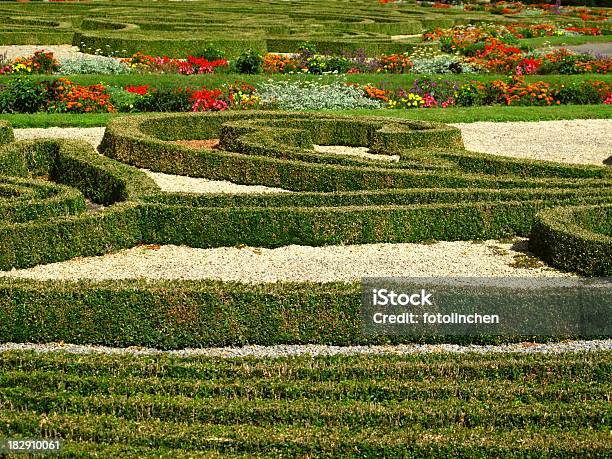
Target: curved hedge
x=437, y=191
x=6, y=132
x=123, y=28
x=575, y=239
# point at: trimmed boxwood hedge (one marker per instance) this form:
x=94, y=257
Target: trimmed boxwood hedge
x=437, y=191
x=6, y=132
x=468, y=405
x=575, y=238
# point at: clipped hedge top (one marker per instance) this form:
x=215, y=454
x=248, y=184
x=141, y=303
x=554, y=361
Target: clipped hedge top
x=130, y=26
x=436, y=191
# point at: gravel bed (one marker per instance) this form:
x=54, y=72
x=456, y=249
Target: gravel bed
x=314, y=350
x=596, y=49
x=183, y=184
x=294, y=263
x=92, y=135
x=59, y=51
x=567, y=141
x=362, y=152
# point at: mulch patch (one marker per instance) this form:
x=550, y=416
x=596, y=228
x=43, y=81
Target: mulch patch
x=199, y=144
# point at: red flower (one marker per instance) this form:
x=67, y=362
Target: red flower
x=141, y=90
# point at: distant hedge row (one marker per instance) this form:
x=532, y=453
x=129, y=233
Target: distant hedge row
x=130, y=26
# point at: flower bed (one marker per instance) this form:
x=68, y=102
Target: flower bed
x=541, y=9
x=22, y=95
x=496, y=49
x=469, y=50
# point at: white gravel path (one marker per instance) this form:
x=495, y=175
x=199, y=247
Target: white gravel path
x=303, y=263
x=59, y=51
x=315, y=350
x=91, y=135
x=361, y=152
x=567, y=141
x=182, y=184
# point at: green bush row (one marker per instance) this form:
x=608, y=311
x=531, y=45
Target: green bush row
x=386, y=205
x=466, y=405
x=180, y=47
x=179, y=314
x=31, y=200
x=130, y=44
x=315, y=218
x=35, y=38
x=575, y=238
x=421, y=414
x=6, y=132
x=41, y=240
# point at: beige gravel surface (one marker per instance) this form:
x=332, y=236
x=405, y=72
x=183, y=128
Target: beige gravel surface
x=302, y=263
x=182, y=184
x=91, y=135
x=567, y=141
x=362, y=152
x=255, y=351
x=59, y=51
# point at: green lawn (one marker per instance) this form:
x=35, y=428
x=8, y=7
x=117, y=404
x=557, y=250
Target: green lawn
x=444, y=115
x=414, y=406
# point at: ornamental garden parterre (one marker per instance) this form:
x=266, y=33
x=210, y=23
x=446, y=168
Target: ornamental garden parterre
x=260, y=94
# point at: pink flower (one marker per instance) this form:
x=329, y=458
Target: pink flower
x=429, y=101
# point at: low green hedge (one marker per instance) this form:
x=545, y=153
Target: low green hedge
x=372, y=47
x=461, y=196
x=575, y=238
x=129, y=44
x=6, y=132
x=35, y=38
x=31, y=200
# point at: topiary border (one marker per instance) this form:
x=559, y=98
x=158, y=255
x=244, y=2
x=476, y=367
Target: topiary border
x=575, y=239
x=175, y=314
x=6, y=133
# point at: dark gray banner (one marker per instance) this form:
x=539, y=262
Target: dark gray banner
x=487, y=306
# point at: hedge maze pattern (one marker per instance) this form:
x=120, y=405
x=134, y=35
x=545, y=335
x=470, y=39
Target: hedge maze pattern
x=437, y=191
x=469, y=406
x=178, y=28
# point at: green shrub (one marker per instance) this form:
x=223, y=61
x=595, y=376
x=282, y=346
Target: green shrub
x=22, y=95
x=6, y=132
x=164, y=100
x=211, y=53
x=125, y=101
x=575, y=239
x=437, y=191
x=250, y=62
x=583, y=92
